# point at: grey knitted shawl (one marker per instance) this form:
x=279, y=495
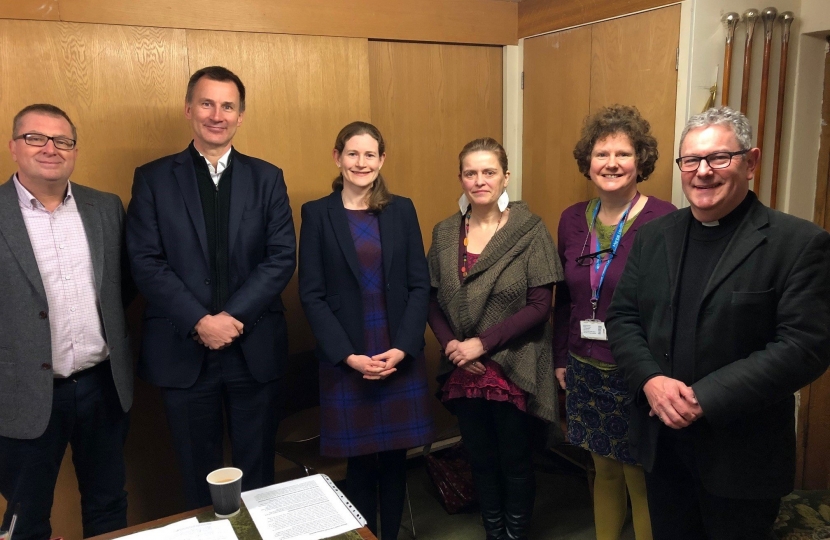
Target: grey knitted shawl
x=519, y=256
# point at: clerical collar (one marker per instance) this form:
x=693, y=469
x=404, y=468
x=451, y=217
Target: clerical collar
x=735, y=216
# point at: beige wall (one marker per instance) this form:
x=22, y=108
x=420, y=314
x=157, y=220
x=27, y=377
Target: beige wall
x=816, y=17
x=702, y=48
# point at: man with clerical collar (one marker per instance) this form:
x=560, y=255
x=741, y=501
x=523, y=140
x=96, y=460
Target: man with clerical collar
x=721, y=314
x=211, y=241
x=66, y=371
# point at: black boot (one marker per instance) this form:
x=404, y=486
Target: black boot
x=490, y=501
x=519, y=496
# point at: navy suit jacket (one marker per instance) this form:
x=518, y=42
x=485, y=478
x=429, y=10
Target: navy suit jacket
x=167, y=244
x=330, y=278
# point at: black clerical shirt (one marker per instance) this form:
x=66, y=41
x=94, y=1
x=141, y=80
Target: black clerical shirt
x=705, y=244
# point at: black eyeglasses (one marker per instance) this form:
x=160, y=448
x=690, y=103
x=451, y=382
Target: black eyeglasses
x=718, y=160
x=591, y=258
x=37, y=139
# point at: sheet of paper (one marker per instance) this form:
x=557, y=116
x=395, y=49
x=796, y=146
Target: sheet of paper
x=183, y=524
x=188, y=529
x=212, y=530
x=305, y=509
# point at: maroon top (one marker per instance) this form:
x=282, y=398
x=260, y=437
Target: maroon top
x=493, y=384
x=573, y=296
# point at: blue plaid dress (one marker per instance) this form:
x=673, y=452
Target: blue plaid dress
x=361, y=416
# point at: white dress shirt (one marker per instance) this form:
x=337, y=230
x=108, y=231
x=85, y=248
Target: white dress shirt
x=221, y=165
x=63, y=258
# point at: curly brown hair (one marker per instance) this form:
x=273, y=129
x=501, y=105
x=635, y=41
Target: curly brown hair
x=610, y=121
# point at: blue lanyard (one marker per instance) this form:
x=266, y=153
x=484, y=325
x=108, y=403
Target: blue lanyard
x=597, y=277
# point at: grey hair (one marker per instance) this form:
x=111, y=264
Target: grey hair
x=722, y=116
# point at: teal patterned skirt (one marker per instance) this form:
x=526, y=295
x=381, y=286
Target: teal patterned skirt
x=597, y=410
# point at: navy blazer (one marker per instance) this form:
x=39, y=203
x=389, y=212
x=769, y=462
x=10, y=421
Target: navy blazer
x=330, y=278
x=167, y=244
x=762, y=334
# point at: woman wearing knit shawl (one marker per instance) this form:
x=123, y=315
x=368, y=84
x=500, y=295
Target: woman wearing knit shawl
x=492, y=269
x=615, y=153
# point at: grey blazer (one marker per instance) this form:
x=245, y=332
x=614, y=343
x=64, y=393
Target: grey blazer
x=25, y=339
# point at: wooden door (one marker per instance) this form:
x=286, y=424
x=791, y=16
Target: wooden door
x=556, y=101
x=429, y=100
x=570, y=74
x=813, y=466
x=633, y=62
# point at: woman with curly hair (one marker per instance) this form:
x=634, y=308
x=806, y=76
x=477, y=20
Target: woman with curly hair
x=616, y=153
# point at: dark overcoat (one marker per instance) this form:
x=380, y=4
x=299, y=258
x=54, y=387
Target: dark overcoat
x=763, y=332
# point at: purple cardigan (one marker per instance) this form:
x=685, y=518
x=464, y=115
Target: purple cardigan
x=573, y=296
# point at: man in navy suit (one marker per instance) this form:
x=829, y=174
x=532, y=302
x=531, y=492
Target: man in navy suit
x=211, y=241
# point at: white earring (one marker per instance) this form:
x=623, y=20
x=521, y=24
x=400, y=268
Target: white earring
x=503, y=201
x=463, y=203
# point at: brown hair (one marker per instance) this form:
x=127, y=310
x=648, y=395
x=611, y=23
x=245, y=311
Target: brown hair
x=610, y=121
x=485, y=144
x=220, y=74
x=41, y=108
x=379, y=195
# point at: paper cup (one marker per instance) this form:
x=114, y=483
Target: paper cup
x=226, y=491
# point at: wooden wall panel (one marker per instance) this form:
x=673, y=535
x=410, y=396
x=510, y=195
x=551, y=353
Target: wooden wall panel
x=301, y=91
x=816, y=457
x=556, y=101
x=46, y=10
x=540, y=16
x=813, y=467
x=429, y=101
x=821, y=211
x=459, y=21
x=122, y=86
x=633, y=63
x=572, y=73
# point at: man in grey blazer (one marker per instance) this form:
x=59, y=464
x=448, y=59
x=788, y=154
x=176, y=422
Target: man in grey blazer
x=65, y=367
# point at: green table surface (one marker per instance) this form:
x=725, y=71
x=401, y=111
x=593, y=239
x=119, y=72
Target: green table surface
x=242, y=523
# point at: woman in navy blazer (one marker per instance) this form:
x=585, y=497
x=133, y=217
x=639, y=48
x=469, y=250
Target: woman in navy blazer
x=364, y=286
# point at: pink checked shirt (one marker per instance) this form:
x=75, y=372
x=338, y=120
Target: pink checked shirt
x=63, y=259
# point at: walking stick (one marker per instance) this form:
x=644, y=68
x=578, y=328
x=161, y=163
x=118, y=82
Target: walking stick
x=731, y=21
x=786, y=19
x=768, y=17
x=750, y=17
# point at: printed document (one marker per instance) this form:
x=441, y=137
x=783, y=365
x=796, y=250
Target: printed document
x=309, y=508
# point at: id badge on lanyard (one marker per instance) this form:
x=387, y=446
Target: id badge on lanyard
x=594, y=328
